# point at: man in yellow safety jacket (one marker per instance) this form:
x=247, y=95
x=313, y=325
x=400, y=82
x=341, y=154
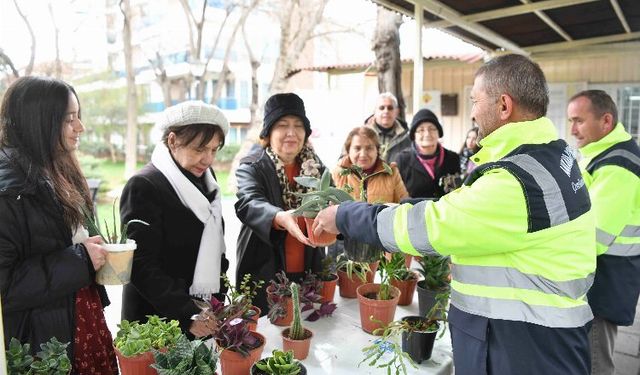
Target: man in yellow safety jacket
x=611, y=170
x=520, y=234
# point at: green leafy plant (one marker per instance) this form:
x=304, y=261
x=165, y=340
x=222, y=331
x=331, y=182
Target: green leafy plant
x=321, y=195
x=52, y=359
x=396, y=267
x=435, y=270
x=296, y=330
x=352, y=268
x=363, y=177
x=325, y=273
x=243, y=294
x=384, y=269
x=186, y=357
x=134, y=338
x=110, y=234
x=280, y=363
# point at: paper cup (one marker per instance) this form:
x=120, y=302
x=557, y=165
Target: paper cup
x=117, y=268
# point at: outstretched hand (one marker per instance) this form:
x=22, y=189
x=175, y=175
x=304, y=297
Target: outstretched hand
x=287, y=221
x=326, y=221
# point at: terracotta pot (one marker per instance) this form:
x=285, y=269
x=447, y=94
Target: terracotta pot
x=381, y=310
x=407, y=260
x=300, y=347
x=253, y=323
x=233, y=363
x=324, y=239
x=137, y=365
x=328, y=289
x=407, y=289
x=348, y=286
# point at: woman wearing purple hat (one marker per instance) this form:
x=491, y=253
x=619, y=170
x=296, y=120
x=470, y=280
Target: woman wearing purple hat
x=271, y=238
x=423, y=165
x=180, y=255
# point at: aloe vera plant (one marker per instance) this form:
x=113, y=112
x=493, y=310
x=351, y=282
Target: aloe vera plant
x=280, y=363
x=110, y=234
x=321, y=196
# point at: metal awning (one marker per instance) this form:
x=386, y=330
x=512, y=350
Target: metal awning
x=529, y=26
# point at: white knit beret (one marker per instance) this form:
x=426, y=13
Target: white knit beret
x=192, y=112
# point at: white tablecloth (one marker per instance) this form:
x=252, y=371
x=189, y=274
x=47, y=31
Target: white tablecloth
x=336, y=346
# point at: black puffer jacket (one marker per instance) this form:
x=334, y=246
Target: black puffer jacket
x=260, y=248
x=40, y=269
x=418, y=181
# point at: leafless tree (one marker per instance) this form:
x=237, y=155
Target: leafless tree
x=32, y=58
x=131, y=143
x=56, y=34
x=5, y=61
x=161, y=77
x=386, y=45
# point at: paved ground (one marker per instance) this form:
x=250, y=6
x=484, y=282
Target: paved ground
x=627, y=357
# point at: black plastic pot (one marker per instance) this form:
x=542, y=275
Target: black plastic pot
x=419, y=345
x=427, y=299
x=360, y=251
x=256, y=371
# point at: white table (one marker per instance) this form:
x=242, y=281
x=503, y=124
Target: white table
x=336, y=346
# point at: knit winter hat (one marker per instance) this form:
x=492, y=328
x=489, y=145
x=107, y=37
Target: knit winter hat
x=280, y=105
x=192, y=112
x=424, y=115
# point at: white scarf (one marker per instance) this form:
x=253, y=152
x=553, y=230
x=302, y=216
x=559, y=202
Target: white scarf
x=206, y=278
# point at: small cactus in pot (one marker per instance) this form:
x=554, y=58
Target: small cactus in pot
x=296, y=337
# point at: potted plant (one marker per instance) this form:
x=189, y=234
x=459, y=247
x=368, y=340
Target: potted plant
x=328, y=279
x=401, y=277
x=435, y=270
x=296, y=337
x=51, y=359
x=119, y=259
x=135, y=341
x=377, y=302
x=280, y=363
x=239, y=347
x=243, y=296
x=279, y=300
x=351, y=275
x=320, y=196
x=186, y=357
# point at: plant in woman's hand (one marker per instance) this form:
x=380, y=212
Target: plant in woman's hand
x=112, y=236
x=321, y=195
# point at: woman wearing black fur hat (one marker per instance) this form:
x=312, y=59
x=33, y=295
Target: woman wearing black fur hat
x=271, y=238
x=427, y=161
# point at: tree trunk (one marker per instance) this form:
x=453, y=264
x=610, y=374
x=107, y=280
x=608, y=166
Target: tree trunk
x=131, y=144
x=386, y=45
x=162, y=79
x=58, y=63
x=29, y=69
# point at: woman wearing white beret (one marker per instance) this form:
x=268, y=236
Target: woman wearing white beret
x=180, y=255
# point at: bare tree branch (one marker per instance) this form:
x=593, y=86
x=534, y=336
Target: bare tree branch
x=5, y=60
x=32, y=58
x=58, y=63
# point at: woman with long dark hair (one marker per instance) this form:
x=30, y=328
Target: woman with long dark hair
x=47, y=260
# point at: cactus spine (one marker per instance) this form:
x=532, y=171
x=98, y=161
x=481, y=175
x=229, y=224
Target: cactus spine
x=296, y=331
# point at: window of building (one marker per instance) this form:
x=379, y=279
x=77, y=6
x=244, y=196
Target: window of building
x=627, y=98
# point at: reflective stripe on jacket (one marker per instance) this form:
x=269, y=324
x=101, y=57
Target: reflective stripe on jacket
x=611, y=169
x=520, y=232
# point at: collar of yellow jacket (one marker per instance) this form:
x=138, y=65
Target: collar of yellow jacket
x=509, y=136
x=617, y=135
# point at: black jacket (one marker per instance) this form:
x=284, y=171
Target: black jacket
x=418, y=181
x=165, y=260
x=40, y=269
x=260, y=248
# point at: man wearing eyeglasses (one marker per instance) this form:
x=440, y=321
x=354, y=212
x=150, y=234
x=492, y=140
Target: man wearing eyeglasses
x=394, y=138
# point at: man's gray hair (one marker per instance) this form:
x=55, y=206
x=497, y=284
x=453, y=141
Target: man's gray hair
x=518, y=77
x=601, y=103
x=390, y=96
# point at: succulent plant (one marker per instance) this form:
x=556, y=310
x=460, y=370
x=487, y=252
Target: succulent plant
x=321, y=196
x=280, y=363
x=296, y=331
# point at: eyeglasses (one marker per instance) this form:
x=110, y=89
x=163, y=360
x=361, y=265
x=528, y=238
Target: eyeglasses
x=388, y=107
